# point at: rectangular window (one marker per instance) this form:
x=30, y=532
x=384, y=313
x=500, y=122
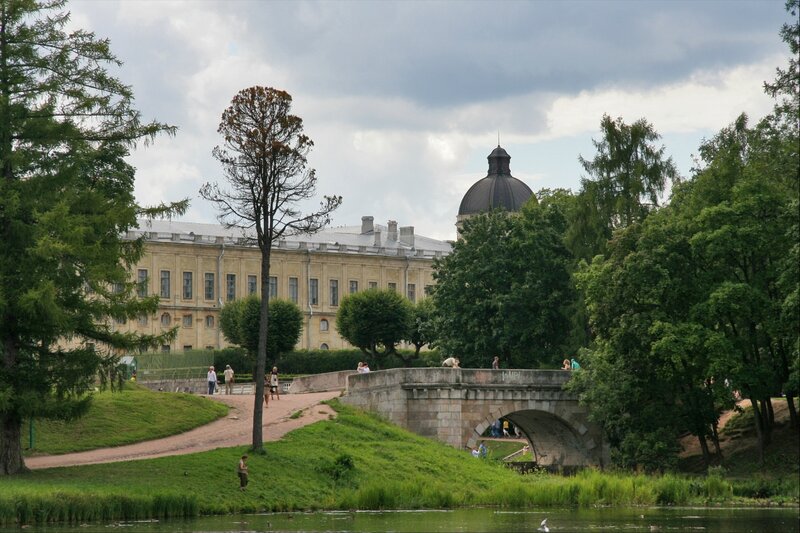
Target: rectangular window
x=142, y=320
x=372, y=285
x=273, y=287
x=210, y=321
x=165, y=290
x=412, y=292
x=313, y=289
x=187, y=347
x=252, y=285
x=141, y=283
x=393, y=287
x=428, y=290
x=187, y=321
x=165, y=348
x=187, y=285
x=293, y=292
x=230, y=287
x=116, y=287
x=353, y=286
x=209, y=286
x=334, y=283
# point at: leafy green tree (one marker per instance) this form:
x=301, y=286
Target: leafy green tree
x=66, y=201
x=375, y=321
x=230, y=322
x=286, y=324
x=505, y=290
x=239, y=322
x=625, y=179
x=264, y=160
x=695, y=299
x=422, y=331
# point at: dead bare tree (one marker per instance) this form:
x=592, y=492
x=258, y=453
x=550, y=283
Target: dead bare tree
x=264, y=161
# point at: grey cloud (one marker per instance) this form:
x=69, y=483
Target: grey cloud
x=441, y=54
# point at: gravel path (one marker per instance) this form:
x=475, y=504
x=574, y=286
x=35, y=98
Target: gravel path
x=236, y=429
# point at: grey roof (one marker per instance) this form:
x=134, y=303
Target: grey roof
x=499, y=189
x=343, y=239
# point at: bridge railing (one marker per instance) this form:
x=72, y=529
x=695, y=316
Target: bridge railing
x=481, y=377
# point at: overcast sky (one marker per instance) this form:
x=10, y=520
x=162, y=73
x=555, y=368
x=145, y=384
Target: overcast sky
x=404, y=100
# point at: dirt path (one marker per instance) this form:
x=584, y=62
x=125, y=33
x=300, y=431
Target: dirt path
x=234, y=430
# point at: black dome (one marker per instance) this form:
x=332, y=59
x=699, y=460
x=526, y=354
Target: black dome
x=499, y=189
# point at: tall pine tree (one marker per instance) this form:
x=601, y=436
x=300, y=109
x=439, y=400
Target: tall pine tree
x=66, y=203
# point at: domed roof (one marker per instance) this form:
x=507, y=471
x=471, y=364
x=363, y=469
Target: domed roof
x=499, y=189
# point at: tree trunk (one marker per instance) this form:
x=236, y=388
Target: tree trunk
x=11, y=461
x=792, y=410
x=766, y=420
x=261, y=356
x=715, y=440
x=770, y=414
x=704, y=448
x=759, y=430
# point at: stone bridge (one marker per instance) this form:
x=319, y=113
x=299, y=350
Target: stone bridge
x=456, y=406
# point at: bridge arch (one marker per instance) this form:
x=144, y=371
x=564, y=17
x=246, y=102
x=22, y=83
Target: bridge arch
x=556, y=437
x=456, y=406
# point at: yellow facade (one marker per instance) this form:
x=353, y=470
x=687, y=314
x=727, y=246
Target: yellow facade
x=197, y=268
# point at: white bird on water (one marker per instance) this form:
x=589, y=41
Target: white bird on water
x=543, y=526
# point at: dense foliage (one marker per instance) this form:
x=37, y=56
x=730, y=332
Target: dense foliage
x=239, y=322
x=375, y=321
x=697, y=304
x=66, y=202
x=505, y=290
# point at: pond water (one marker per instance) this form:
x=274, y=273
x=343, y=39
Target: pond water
x=701, y=519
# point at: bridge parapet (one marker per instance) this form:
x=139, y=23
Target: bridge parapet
x=458, y=378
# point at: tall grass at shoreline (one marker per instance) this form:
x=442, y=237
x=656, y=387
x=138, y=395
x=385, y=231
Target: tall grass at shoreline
x=355, y=461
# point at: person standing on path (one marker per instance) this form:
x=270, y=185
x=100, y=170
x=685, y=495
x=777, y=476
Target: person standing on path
x=242, y=471
x=266, y=390
x=228, y=379
x=212, y=380
x=273, y=383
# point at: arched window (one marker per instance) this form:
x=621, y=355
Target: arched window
x=323, y=346
x=323, y=325
x=166, y=320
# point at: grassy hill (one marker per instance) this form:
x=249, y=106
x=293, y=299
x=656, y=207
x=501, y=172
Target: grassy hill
x=353, y=461
x=116, y=418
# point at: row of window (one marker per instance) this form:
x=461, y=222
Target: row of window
x=209, y=287
x=188, y=320
x=186, y=347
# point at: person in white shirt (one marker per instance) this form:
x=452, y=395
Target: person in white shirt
x=212, y=380
x=452, y=362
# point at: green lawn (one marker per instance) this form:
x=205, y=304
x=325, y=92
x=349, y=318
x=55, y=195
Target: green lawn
x=116, y=418
x=354, y=461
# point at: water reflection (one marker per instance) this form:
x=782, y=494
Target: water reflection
x=649, y=520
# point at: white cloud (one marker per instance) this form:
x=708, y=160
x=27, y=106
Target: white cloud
x=707, y=100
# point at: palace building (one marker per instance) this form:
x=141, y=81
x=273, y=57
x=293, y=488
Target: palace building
x=196, y=268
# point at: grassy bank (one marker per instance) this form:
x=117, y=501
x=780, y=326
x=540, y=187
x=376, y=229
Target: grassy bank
x=116, y=418
x=355, y=461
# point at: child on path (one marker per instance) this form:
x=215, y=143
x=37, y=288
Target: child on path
x=274, y=388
